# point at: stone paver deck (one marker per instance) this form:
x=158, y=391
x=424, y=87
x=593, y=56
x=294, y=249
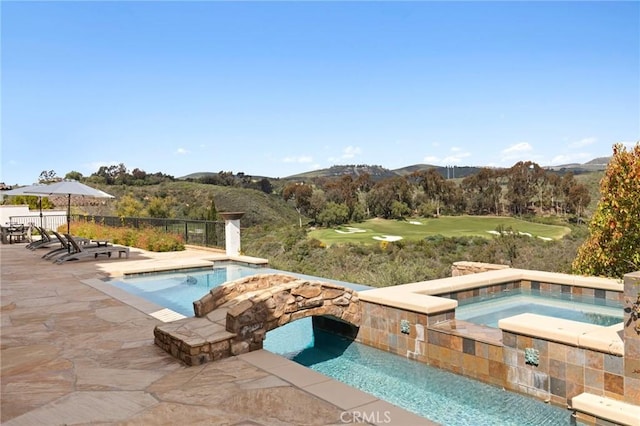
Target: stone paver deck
x=72, y=354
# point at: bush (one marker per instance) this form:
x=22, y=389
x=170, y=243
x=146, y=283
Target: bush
x=150, y=239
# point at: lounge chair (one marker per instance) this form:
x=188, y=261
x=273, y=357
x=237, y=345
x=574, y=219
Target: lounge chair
x=45, y=239
x=80, y=251
x=65, y=247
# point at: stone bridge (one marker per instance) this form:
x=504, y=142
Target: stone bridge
x=234, y=318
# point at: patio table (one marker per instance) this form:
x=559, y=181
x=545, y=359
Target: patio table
x=12, y=233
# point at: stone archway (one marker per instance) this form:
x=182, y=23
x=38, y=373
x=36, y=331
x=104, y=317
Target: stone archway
x=252, y=318
x=234, y=318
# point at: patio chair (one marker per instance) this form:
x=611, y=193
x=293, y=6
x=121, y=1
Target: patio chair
x=80, y=251
x=45, y=239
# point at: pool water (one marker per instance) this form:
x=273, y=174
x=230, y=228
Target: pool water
x=436, y=394
x=488, y=311
x=178, y=290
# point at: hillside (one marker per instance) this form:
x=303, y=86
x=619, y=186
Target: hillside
x=259, y=208
x=379, y=172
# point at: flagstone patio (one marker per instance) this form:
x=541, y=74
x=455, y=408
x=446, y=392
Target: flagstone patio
x=71, y=354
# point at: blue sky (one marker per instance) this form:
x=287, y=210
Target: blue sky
x=279, y=88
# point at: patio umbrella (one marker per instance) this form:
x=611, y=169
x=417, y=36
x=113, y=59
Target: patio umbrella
x=23, y=191
x=68, y=188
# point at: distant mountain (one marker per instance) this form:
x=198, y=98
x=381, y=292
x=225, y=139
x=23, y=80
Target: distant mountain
x=600, y=161
x=197, y=175
x=595, y=165
x=376, y=172
x=379, y=172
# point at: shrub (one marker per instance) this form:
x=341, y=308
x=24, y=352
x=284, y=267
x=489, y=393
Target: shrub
x=150, y=239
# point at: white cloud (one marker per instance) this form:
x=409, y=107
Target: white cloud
x=182, y=151
x=583, y=142
x=347, y=154
x=455, y=157
x=302, y=159
x=576, y=157
x=517, y=149
x=351, y=151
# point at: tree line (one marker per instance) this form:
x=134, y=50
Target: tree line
x=525, y=188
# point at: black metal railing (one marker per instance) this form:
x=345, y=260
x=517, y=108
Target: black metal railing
x=197, y=232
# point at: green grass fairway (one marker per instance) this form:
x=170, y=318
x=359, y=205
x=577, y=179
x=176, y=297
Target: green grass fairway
x=376, y=230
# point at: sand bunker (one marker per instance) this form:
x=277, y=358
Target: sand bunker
x=387, y=238
x=350, y=230
x=415, y=222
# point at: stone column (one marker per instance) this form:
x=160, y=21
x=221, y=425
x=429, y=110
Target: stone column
x=232, y=232
x=631, y=338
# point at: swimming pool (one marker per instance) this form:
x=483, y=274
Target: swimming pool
x=430, y=392
x=177, y=290
x=488, y=311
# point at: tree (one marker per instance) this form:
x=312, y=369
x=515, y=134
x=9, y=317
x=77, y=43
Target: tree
x=334, y=214
x=128, y=206
x=73, y=175
x=47, y=176
x=212, y=211
x=160, y=207
x=525, y=178
x=482, y=191
x=265, y=186
x=381, y=197
x=613, y=246
x=300, y=194
x=439, y=192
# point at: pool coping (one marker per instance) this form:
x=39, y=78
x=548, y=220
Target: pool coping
x=601, y=338
x=422, y=296
x=348, y=398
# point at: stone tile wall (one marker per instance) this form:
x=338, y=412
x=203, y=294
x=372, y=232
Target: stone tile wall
x=563, y=371
x=397, y=331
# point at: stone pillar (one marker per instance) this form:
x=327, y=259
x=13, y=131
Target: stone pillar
x=232, y=232
x=631, y=338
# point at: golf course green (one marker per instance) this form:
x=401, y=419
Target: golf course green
x=376, y=230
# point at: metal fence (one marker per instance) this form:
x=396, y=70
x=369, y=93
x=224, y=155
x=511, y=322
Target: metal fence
x=46, y=221
x=197, y=232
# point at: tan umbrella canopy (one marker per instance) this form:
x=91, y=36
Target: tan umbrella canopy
x=68, y=188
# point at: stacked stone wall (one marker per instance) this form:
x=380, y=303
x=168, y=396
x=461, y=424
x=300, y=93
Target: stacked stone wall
x=467, y=268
